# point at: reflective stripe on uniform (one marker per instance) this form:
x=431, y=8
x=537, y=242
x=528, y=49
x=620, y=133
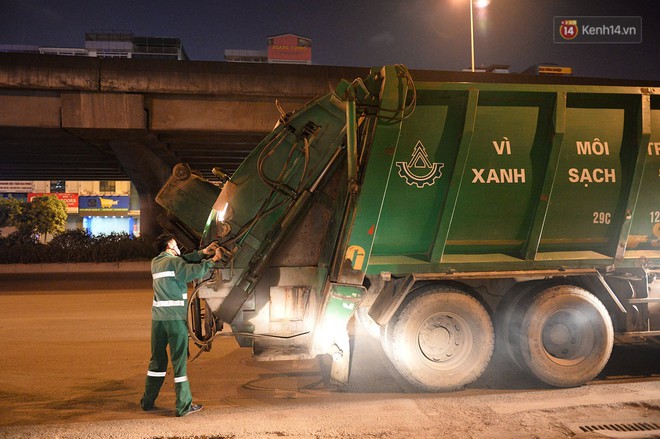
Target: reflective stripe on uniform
x=163, y=274
x=181, y=379
x=168, y=303
x=151, y=373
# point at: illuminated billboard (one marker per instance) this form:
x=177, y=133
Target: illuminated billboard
x=289, y=48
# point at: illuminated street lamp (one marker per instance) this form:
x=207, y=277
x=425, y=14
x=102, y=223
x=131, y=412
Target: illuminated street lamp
x=480, y=4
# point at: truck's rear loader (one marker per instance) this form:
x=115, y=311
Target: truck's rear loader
x=431, y=210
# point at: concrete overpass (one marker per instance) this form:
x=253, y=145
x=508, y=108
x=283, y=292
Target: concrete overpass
x=79, y=118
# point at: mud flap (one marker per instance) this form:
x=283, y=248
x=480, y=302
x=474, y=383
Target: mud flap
x=341, y=360
x=332, y=336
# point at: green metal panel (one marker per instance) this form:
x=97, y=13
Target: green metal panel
x=639, y=131
x=190, y=199
x=416, y=190
x=365, y=220
x=506, y=167
x=559, y=127
x=280, y=157
x=558, y=195
x=645, y=229
x=501, y=168
x=592, y=172
x=272, y=190
x=342, y=301
x=440, y=241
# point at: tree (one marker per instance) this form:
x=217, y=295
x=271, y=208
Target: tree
x=9, y=209
x=41, y=216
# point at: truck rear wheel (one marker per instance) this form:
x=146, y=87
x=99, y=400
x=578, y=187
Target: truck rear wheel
x=566, y=336
x=507, y=324
x=441, y=339
x=386, y=336
x=364, y=319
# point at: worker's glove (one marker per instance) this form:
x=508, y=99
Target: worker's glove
x=211, y=248
x=221, y=255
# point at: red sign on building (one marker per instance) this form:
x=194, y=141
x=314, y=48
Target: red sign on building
x=71, y=200
x=289, y=48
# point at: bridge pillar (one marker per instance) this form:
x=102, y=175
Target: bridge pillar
x=148, y=164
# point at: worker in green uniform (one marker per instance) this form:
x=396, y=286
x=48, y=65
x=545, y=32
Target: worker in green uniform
x=171, y=273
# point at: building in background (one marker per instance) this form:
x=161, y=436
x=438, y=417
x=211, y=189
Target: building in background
x=289, y=49
x=493, y=68
x=549, y=69
x=248, y=56
x=281, y=49
x=112, y=44
x=99, y=207
x=115, y=44
x=123, y=44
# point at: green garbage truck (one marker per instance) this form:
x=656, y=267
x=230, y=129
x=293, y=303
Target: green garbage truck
x=452, y=218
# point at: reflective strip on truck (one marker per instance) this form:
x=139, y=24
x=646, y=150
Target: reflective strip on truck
x=163, y=274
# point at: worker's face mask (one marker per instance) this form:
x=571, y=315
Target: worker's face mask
x=175, y=248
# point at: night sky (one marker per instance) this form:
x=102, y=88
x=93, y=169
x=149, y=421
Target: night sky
x=421, y=34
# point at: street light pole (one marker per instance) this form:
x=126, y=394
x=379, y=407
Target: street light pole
x=472, y=34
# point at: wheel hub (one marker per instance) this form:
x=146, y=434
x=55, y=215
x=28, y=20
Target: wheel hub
x=440, y=338
x=559, y=334
x=568, y=336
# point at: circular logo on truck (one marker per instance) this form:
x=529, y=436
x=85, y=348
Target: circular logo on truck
x=419, y=171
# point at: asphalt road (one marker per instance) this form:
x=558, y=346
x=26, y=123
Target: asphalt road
x=74, y=350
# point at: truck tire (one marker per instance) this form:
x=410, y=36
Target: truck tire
x=566, y=336
x=386, y=336
x=387, y=329
x=364, y=319
x=507, y=321
x=442, y=339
